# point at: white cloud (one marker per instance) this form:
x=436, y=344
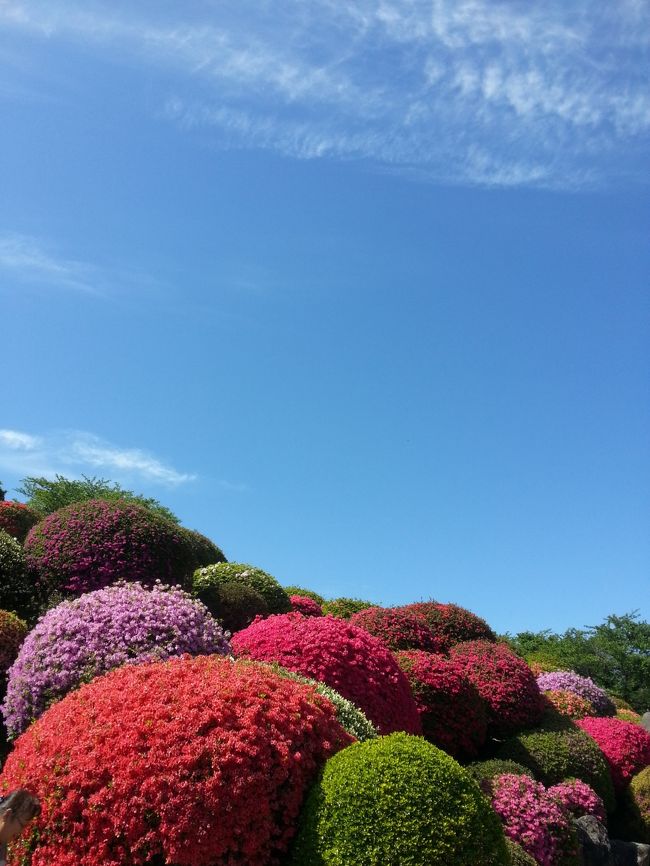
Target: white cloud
x=77, y=452
x=26, y=259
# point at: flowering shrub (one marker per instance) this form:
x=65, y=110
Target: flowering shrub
x=628, y=716
x=344, y=657
x=207, y=583
x=569, y=704
x=485, y=771
x=397, y=800
x=395, y=628
x=99, y=631
x=504, y=681
x=13, y=631
x=343, y=608
x=17, y=592
x=554, y=756
x=88, y=545
x=533, y=818
x=305, y=605
x=450, y=624
x=194, y=761
x=204, y=551
x=17, y=519
x=626, y=747
x=570, y=681
x=452, y=712
x=578, y=798
x=307, y=593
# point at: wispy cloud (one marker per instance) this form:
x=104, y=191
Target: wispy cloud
x=77, y=452
x=28, y=260
x=470, y=91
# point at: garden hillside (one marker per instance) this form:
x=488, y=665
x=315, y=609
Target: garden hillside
x=171, y=708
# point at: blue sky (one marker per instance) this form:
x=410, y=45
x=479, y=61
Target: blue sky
x=360, y=290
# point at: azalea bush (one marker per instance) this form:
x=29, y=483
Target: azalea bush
x=504, y=681
x=17, y=519
x=341, y=655
x=533, y=818
x=395, y=628
x=306, y=593
x=584, y=687
x=89, y=545
x=626, y=746
x=397, y=800
x=450, y=624
x=13, y=631
x=578, y=798
x=569, y=704
x=305, y=605
x=99, y=631
x=194, y=761
x=208, y=582
x=452, y=712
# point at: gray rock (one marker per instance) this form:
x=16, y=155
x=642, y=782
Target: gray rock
x=645, y=720
x=593, y=840
x=642, y=854
x=623, y=853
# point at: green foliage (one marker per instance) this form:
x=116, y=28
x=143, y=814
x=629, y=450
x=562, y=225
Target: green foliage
x=397, y=801
x=235, y=605
x=46, y=496
x=519, y=857
x=632, y=818
x=615, y=654
x=345, y=607
x=484, y=771
x=305, y=593
x=208, y=580
x=204, y=551
x=555, y=755
x=17, y=590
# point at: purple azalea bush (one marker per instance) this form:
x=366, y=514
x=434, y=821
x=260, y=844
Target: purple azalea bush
x=570, y=681
x=78, y=640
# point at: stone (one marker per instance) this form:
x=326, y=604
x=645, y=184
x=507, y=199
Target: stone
x=593, y=840
x=645, y=720
x=623, y=853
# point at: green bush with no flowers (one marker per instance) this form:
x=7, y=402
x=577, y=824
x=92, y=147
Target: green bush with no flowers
x=519, y=857
x=207, y=582
x=18, y=592
x=345, y=607
x=397, y=801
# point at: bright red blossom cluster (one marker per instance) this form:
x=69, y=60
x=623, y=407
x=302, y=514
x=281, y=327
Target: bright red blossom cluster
x=450, y=624
x=504, y=681
x=306, y=606
x=196, y=761
x=396, y=628
x=626, y=747
x=452, y=712
x=347, y=658
x=17, y=519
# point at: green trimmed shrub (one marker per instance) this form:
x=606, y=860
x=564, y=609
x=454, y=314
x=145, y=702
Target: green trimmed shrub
x=306, y=593
x=484, y=771
x=519, y=857
x=632, y=817
x=562, y=754
x=204, y=551
x=397, y=801
x=206, y=581
x=18, y=591
x=343, y=608
x=236, y=605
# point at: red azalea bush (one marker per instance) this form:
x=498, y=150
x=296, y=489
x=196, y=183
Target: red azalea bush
x=13, y=632
x=450, y=624
x=305, y=605
x=533, y=818
x=395, y=628
x=626, y=746
x=88, y=545
x=579, y=798
x=17, y=519
x=569, y=704
x=195, y=761
x=452, y=712
x=341, y=655
x=504, y=681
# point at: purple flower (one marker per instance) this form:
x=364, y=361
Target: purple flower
x=126, y=623
x=570, y=681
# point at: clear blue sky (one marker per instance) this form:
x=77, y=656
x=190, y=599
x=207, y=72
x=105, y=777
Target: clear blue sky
x=358, y=289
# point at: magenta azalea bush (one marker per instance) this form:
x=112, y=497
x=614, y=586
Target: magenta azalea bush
x=341, y=655
x=533, y=818
x=578, y=798
x=584, y=687
x=305, y=605
x=626, y=747
x=122, y=624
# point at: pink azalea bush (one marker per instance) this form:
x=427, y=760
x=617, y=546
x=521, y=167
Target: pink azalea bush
x=396, y=628
x=626, y=747
x=347, y=658
x=306, y=606
x=579, y=798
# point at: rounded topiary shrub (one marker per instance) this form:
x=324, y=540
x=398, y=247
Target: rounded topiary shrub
x=305, y=605
x=204, y=551
x=341, y=655
x=569, y=704
x=504, y=681
x=17, y=519
x=18, y=591
x=554, y=756
x=236, y=605
x=397, y=800
x=89, y=545
x=450, y=624
x=81, y=639
x=578, y=798
x=193, y=761
x=626, y=746
x=395, y=628
x=570, y=681
x=485, y=771
x=628, y=716
x=13, y=632
x=534, y=819
x=452, y=713
x=633, y=812
x=344, y=608
x=305, y=593
x=519, y=857
x=208, y=581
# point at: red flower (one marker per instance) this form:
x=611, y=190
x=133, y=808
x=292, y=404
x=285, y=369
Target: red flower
x=626, y=747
